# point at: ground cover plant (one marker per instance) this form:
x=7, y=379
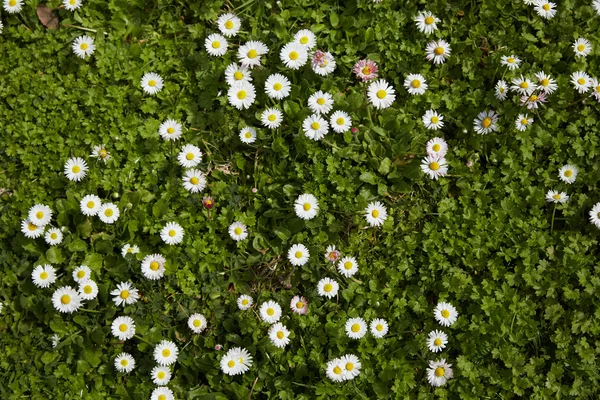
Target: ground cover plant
x=299, y=199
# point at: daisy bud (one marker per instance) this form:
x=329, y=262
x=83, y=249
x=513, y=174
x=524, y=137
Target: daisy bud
x=254, y=190
x=115, y=195
x=208, y=202
x=354, y=130
x=218, y=347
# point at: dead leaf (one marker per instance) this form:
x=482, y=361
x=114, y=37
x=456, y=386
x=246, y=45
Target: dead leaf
x=47, y=17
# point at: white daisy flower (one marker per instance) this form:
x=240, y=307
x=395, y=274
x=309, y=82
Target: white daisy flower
x=229, y=24
x=568, y=173
x=426, y=22
x=582, y=47
x=197, y=323
x=581, y=81
x=545, y=83
x=249, y=54
x=189, y=156
x=322, y=63
x=124, y=362
x=595, y=215
x=55, y=340
x=53, y=236
x=437, y=147
x=277, y=86
x=298, y=255
x=306, y=206
x=31, y=230
x=294, y=55
x=152, y=83
x=238, y=231
x=66, y=299
x=595, y=85
x=279, y=335
x=596, y=6
x=170, y=130
x=125, y=294
x=72, y=5
x=438, y=51
x=129, y=249
x=327, y=287
x=340, y=122
x=433, y=120
x=88, y=289
x=160, y=375
x=348, y=266
x=375, y=213
x=244, y=302
x=83, y=46
x=445, y=314
x=165, y=353
x=123, y=328
x=172, y=233
x=13, y=6
x=381, y=94
x=320, y=102
x=332, y=254
x=523, y=86
x=335, y=370
x=523, y=122
x=101, y=153
x=351, y=365
x=194, y=181
x=40, y=214
x=545, y=9
x=379, y=328
x=299, y=305
x=439, y=372
x=306, y=38
x=436, y=341
x=162, y=393
x=356, y=328
x=512, y=62
x=75, y=169
x=241, y=95
x=153, y=266
x=90, y=205
x=270, y=312
x=248, y=135
x=82, y=273
x=43, y=275
x=315, y=127
x=486, y=122
x=236, y=361
x=415, y=84
x=554, y=196
x=236, y=74
x=271, y=118
x=501, y=90
x=109, y=213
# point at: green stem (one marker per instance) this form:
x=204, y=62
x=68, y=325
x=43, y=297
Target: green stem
x=144, y=340
x=553, y=213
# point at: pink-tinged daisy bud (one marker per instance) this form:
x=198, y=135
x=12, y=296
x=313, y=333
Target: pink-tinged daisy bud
x=254, y=190
x=208, y=202
x=354, y=130
x=218, y=347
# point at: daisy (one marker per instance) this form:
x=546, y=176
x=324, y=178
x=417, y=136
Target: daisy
x=249, y=54
x=66, y=299
x=365, y=70
x=320, y=102
x=375, y=213
x=568, y=173
x=554, y=196
x=436, y=341
x=426, y=22
x=82, y=273
x=229, y=24
x=327, y=287
x=581, y=81
x=277, y=86
x=84, y=46
x=270, y=312
x=172, y=233
x=332, y=254
x=335, y=370
x=1, y=26
x=356, y=328
x=415, y=84
x=153, y=266
x=244, y=302
x=31, y=230
x=13, y=6
x=532, y=102
x=315, y=127
x=596, y=5
x=486, y=122
x=323, y=63
x=306, y=38
x=348, y=266
x=53, y=236
x=306, y=206
x=125, y=294
x=439, y=372
x=235, y=74
x=109, y=213
x=437, y=147
x=298, y=255
x=523, y=86
x=351, y=365
x=72, y=5
x=271, y=118
x=381, y=94
x=582, y=47
x=90, y=205
x=238, y=231
x=241, y=95
x=170, y=130
x=523, y=121
x=208, y=202
x=294, y=55
x=545, y=83
x=595, y=215
x=197, y=323
x=512, y=62
x=162, y=393
x=438, y=51
x=43, y=275
x=248, y=135
x=152, y=83
x=194, y=180
x=165, y=353
x=123, y=328
x=124, y=362
x=379, y=328
x=445, y=314
x=433, y=120
x=299, y=305
x=545, y=9
x=40, y=214
x=101, y=153
x=595, y=88
x=189, y=156
x=75, y=169
x=279, y=335
x=501, y=90
x=88, y=289
x=55, y=340
x=160, y=375
x=340, y=122
x=236, y=361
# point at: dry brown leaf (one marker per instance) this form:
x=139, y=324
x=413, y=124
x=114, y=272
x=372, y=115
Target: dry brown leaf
x=47, y=17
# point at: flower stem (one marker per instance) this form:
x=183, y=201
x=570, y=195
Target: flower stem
x=553, y=213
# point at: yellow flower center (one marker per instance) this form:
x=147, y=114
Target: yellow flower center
x=231, y=364
x=437, y=342
x=298, y=254
x=434, y=166
x=237, y=75
x=172, y=232
x=76, y=169
x=245, y=302
x=162, y=397
x=533, y=97
x=65, y=299
x=270, y=312
x=83, y=46
x=194, y=180
x=72, y=2
x=166, y=353
x=445, y=313
x=44, y=275
x=340, y=121
x=556, y=196
x=416, y=83
x=293, y=55
x=280, y=335
x=366, y=71
x=328, y=287
x=124, y=294
x=272, y=117
x=31, y=226
x=429, y=20
x=154, y=265
x=568, y=173
x=501, y=89
x=306, y=206
x=189, y=156
x=439, y=372
x=436, y=147
x=241, y=94
x=248, y=135
x=87, y=289
x=439, y=50
x=197, y=323
x=53, y=236
x=123, y=327
x=524, y=85
x=524, y=121
x=337, y=370
x=434, y=120
x=160, y=375
x=598, y=89
x=375, y=213
x=108, y=212
x=546, y=7
x=304, y=39
x=39, y=215
x=379, y=327
x=510, y=60
x=315, y=125
x=80, y=274
x=581, y=81
x=299, y=305
x=348, y=265
x=381, y=94
x=124, y=362
x=277, y=86
x=355, y=328
x=238, y=231
x=252, y=53
x=170, y=130
x=545, y=82
x=216, y=44
x=487, y=121
x=152, y=83
x=229, y=24
x=349, y=366
x=581, y=47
